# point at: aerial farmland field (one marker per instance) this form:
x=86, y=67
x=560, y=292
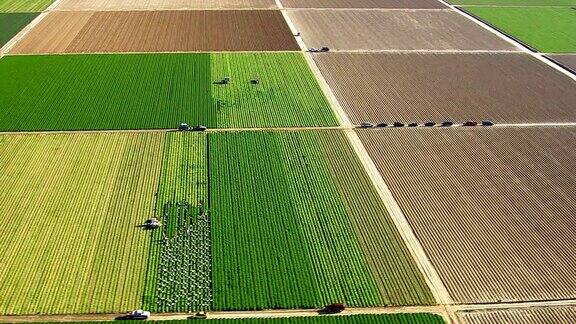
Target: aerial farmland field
x=437, y=87
x=150, y=91
x=293, y=214
x=548, y=30
x=368, y=4
x=24, y=5
x=393, y=30
x=69, y=205
x=12, y=23
x=108, y=5
x=492, y=207
x=164, y=31
x=550, y=314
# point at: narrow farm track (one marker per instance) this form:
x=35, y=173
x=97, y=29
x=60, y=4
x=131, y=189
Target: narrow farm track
x=444, y=311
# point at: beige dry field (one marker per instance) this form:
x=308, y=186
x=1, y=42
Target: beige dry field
x=567, y=60
x=493, y=207
x=533, y=315
x=103, y=5
x=393, y=30
x=400, y=4
x=507, y=88
x=158, y=31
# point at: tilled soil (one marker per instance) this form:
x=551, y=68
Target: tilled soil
x=393, y=30
x=492, y=207
x=400, y=4
x=159, y=31
x=506, y=88
x=568, y=61
x=164, y=4
x=532, y=315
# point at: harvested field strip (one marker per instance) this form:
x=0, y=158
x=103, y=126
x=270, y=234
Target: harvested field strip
x=12, y=23
x=548, y=30
x=163, y=31
x=493, y=208
x=24, y=5
x=69, y=205
x=568, y=61
x=393, y=30
x=420, y=87
x=106, y=5
x=287, y=95
x=180, y=263
x=275, y=217
x=555, y=314
x=393, y=4
x=149, y=91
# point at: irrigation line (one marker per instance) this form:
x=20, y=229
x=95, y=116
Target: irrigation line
x=537, y=55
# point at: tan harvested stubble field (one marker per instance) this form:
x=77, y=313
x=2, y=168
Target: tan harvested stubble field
x=158, y=31
x=567, y=60
x=540, y=315
x=103, y=5
x=393, y=30
x=507, y=88
x=493, y=207
x=392, y=4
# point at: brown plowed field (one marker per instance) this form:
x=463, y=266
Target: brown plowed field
x=393, y=30
x=159, y=31
x=533, y=315
x=400, y=4
x=569, y=61
x=103, y=5
x=418, y=87
x=493, y=207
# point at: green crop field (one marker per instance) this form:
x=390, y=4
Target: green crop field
x=151, y=91
x=285, y=233
x=520, y=3
x=24, y=5
x=180, y=264
x=69, y=207
x=12, y=23
x=549, y=30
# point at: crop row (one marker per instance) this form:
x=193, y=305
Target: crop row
x=148, y=91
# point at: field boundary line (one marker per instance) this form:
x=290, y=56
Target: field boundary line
x=537, y=55
x=140, y=53
x=432, y=51
x=432, y=278
x=159, y=9
x=368, y=9
x=21, y=34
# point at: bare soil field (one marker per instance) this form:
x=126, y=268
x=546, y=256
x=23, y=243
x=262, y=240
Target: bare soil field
x=568, y=61
x=104, y=5
x=392, y=4
x=533, y=315
x=492, y=207
x=159, y=31
x=506, y=88
x=393, y=30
